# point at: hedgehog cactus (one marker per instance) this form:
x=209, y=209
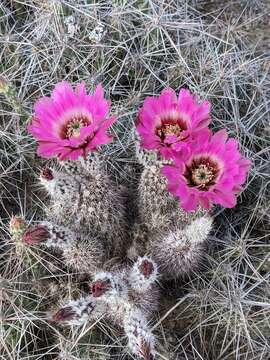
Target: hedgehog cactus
x=174, y=238
x=80, y=311
x=182, y=250
x=126, y=297
x=84, y=198
x=140, y=339
x=157, y=207
x=80, y=252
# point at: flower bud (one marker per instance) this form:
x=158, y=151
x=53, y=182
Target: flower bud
x=46, y=174
x=146, y=268
x=100, y=287
x=64, y=314
x=36, y=235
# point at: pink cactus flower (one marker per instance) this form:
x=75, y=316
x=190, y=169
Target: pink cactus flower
x=168, y=124
x=70, y=123
x=211, y=173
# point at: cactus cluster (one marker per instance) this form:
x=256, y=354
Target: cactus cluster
x=86, y=224
x=78, y=275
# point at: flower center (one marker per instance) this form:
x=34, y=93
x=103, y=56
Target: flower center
x=169, y=129
x=171, y=124
x=202, y=173
x=74, y=125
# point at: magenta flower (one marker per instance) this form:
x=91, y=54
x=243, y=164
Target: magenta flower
x=211, y=173
x=70, y=123
x=168, y=124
